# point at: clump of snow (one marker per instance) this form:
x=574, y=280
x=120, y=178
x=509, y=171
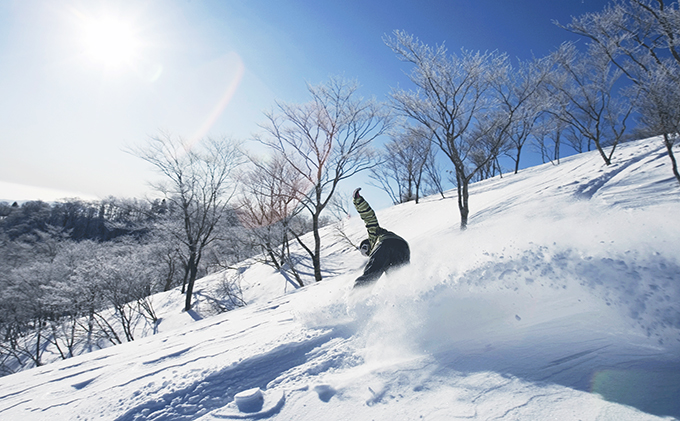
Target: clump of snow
x=560, y=301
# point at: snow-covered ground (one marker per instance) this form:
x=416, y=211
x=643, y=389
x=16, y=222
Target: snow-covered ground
x=560, y=301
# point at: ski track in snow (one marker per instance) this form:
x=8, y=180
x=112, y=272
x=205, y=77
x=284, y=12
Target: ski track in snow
x=560, y=301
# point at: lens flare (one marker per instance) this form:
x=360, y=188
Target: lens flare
x=232, y=84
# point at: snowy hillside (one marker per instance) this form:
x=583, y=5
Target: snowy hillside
x=561, y=301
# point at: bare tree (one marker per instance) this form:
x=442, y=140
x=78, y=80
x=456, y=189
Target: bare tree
x=660, y=110
x=637, y=36
x=640, y=37
x=26, y=313
x=197, y=186
x=404, y=161
x=452, y=94
x=326, y=141
x=127, y=280
x=490, y=138
x=582, y=89
x=519, y=90
x=385, y=174
x=547, y=137
x=433, y=173
x=267, y=206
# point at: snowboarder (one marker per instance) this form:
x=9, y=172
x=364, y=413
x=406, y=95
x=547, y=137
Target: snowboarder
x=385, y=250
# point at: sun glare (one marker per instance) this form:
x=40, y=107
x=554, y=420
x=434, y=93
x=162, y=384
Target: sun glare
x=111, y=41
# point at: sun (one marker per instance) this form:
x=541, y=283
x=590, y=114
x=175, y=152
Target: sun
x=111, y=41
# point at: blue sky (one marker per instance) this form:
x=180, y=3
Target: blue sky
x=71, y=99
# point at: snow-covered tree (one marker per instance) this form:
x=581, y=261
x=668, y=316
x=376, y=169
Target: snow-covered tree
x=520, y=102
x=583, y=92
x=452, y=94
x=547, y=138
x=404, y=163
x=267, y=207
x=26, y=313
x=197, y=187
x=641, y=38
x=325, y=141
x=659, y=108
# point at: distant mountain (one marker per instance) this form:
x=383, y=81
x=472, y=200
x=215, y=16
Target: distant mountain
x=13, y=192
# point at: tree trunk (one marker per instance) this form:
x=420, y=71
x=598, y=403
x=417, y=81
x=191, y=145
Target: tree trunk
x=186, y=277
x=269, y=251
x=604, y=156
x=304, y=246
x=519, y=152
x=316, y=259
x=463, y=200
x=171, y=271
x=38, y=344
x=497, y=166
x=418, y=180
x=192, y=268
x=669, y=147
x=90, y=330
x=285, y=252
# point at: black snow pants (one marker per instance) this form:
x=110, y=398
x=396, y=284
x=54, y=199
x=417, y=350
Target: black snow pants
x=390, y=253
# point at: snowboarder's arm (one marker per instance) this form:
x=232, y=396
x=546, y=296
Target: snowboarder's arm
x=368, y=216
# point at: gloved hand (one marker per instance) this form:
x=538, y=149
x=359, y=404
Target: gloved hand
x=356, y=194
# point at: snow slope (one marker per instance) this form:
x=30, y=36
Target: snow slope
x=560, y=301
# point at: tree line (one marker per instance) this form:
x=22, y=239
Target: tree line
x=69, y=262
x=77, y=276
x=478, y=106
